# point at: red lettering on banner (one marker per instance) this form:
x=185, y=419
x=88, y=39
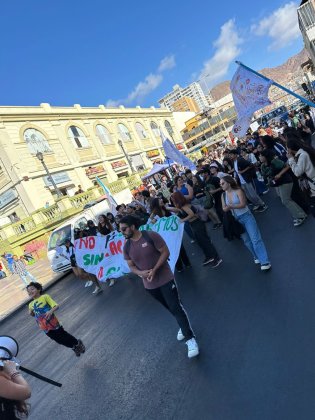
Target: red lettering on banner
x=83, y=241
x=100, y=273
x=91, y=242
x=119, y=246
x=113, y=248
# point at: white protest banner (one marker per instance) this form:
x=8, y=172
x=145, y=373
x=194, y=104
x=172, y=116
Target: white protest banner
x=250, y=92
x=103, y=255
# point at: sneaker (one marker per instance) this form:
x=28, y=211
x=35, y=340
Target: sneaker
x=256, y=208
x=180, y=335
x=298, y=222
x=77, y=350
x=193, y=349
x=207, y=260
x=97, y=290
x=216, y=263
x=256, y=261
x=88, y=283
x=266, y=191
x=112, y=282
x=81, y=346
x=216, y=226
x=261, y=209
x=192, y=241
x=265, y=267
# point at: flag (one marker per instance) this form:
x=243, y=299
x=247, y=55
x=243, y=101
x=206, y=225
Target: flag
x=174, y=154
x=111, y=199
x=250, y=93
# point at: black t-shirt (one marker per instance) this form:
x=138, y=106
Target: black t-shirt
x=213, y=183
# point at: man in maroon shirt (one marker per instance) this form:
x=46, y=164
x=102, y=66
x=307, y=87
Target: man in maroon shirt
x=146, y=254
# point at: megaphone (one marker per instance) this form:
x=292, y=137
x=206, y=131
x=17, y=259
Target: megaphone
x=9, y=349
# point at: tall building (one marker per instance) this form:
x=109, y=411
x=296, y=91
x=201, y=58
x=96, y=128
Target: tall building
x=306, y=16
x=75, y=144
x=185, y=104
x=193, y=91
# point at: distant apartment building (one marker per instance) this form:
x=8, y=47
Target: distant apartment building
x=185, y=104
x=306, y=16
x=193, y=91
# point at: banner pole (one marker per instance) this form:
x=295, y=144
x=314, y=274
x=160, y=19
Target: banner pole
x=290, y=92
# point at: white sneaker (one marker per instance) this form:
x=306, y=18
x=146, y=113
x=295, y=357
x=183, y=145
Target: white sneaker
x=193, y=349
x=180, y=335
x=256, y=261
x=265, y=267
x=97, y=290
x=88, y=283
x=112, y=282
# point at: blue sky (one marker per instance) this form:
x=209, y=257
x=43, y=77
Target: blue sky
x=132, y=53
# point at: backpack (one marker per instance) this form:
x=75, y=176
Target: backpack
x=146, y=236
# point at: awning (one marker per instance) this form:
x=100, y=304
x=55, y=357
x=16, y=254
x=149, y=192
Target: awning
x=157, y=167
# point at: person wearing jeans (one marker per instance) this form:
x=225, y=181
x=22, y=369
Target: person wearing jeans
x=147, y=256
x=234, y=200
x=19, y=268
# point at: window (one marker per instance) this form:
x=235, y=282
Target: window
x=155, y=129
x=36, y=141
x=141, y=131
x=124, y=132
x=77, y=137
x=168, y=127
x=103, y=134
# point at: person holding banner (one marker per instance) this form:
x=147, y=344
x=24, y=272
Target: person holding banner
x=147, y=256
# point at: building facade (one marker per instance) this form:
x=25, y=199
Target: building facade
x=75, y=145
x=185, y=104
x=193, y=91
x=306, y=17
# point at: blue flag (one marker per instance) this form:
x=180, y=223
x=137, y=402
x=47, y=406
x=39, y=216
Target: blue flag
x=174, y=154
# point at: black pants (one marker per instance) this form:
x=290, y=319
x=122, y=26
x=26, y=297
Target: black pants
x=168, y=296
x=183, y=259
x=203, y=240
x=63, y=337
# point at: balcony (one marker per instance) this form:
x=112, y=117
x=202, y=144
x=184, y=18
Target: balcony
x=306, y=14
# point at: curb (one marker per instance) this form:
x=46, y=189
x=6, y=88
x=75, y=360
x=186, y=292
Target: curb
x=27, y=300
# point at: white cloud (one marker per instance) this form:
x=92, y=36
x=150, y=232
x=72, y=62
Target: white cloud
x=167, y=63
x=146, y=86
x=281, y=26
x=227, y=49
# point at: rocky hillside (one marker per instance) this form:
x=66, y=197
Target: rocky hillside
x=280, y=74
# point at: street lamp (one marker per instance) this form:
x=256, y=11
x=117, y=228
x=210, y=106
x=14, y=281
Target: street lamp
x=126, y=156
x=40, y=157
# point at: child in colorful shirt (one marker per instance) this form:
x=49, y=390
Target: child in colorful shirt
x=42, y=307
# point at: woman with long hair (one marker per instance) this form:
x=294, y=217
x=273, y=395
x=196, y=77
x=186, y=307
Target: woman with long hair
x=301, y=159
x=184, y=188
x=278, y=175
x=14, y=390
x=159, y=210
x=104, y=225
x=187, y=213
x=234, y=200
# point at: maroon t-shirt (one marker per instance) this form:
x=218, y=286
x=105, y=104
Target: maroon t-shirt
x=145, y=255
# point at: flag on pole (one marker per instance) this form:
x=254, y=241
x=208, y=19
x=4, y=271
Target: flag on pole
x=111, y=199
x=174, y=154
x=250, y=93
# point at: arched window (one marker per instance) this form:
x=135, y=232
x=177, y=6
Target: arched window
x=168, y=127
x=155, y=129
x=36, y=142
x=77, y=137
x=103, y=134
x=141, y=131
x=124, y=132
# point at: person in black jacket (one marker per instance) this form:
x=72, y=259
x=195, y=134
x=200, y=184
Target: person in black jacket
x=245, y=172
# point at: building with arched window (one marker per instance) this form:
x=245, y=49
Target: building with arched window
x=76, y=145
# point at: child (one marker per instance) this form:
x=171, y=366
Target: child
x=42, y=308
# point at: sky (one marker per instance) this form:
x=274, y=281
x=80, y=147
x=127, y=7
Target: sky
x=94, y=52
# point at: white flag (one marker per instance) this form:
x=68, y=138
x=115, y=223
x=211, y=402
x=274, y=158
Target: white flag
x=174, y=154
x=250, y=93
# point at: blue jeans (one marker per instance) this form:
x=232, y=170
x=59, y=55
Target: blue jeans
x=252, y=237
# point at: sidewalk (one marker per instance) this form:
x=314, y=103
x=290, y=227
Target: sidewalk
x=12, y=289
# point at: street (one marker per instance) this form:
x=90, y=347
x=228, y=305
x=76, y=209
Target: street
x=255, y=331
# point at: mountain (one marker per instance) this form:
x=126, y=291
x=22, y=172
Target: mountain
x=281, y=74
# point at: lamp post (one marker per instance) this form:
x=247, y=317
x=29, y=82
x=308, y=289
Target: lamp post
x=40, y=157
x=126, y=156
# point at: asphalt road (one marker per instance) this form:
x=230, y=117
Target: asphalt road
x=255, y=330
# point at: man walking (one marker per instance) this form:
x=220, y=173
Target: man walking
x=19, y=268
x=244, y=171
x=146, y=254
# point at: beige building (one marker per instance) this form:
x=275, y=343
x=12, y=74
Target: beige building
x=185, y=104
x=76, y=144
